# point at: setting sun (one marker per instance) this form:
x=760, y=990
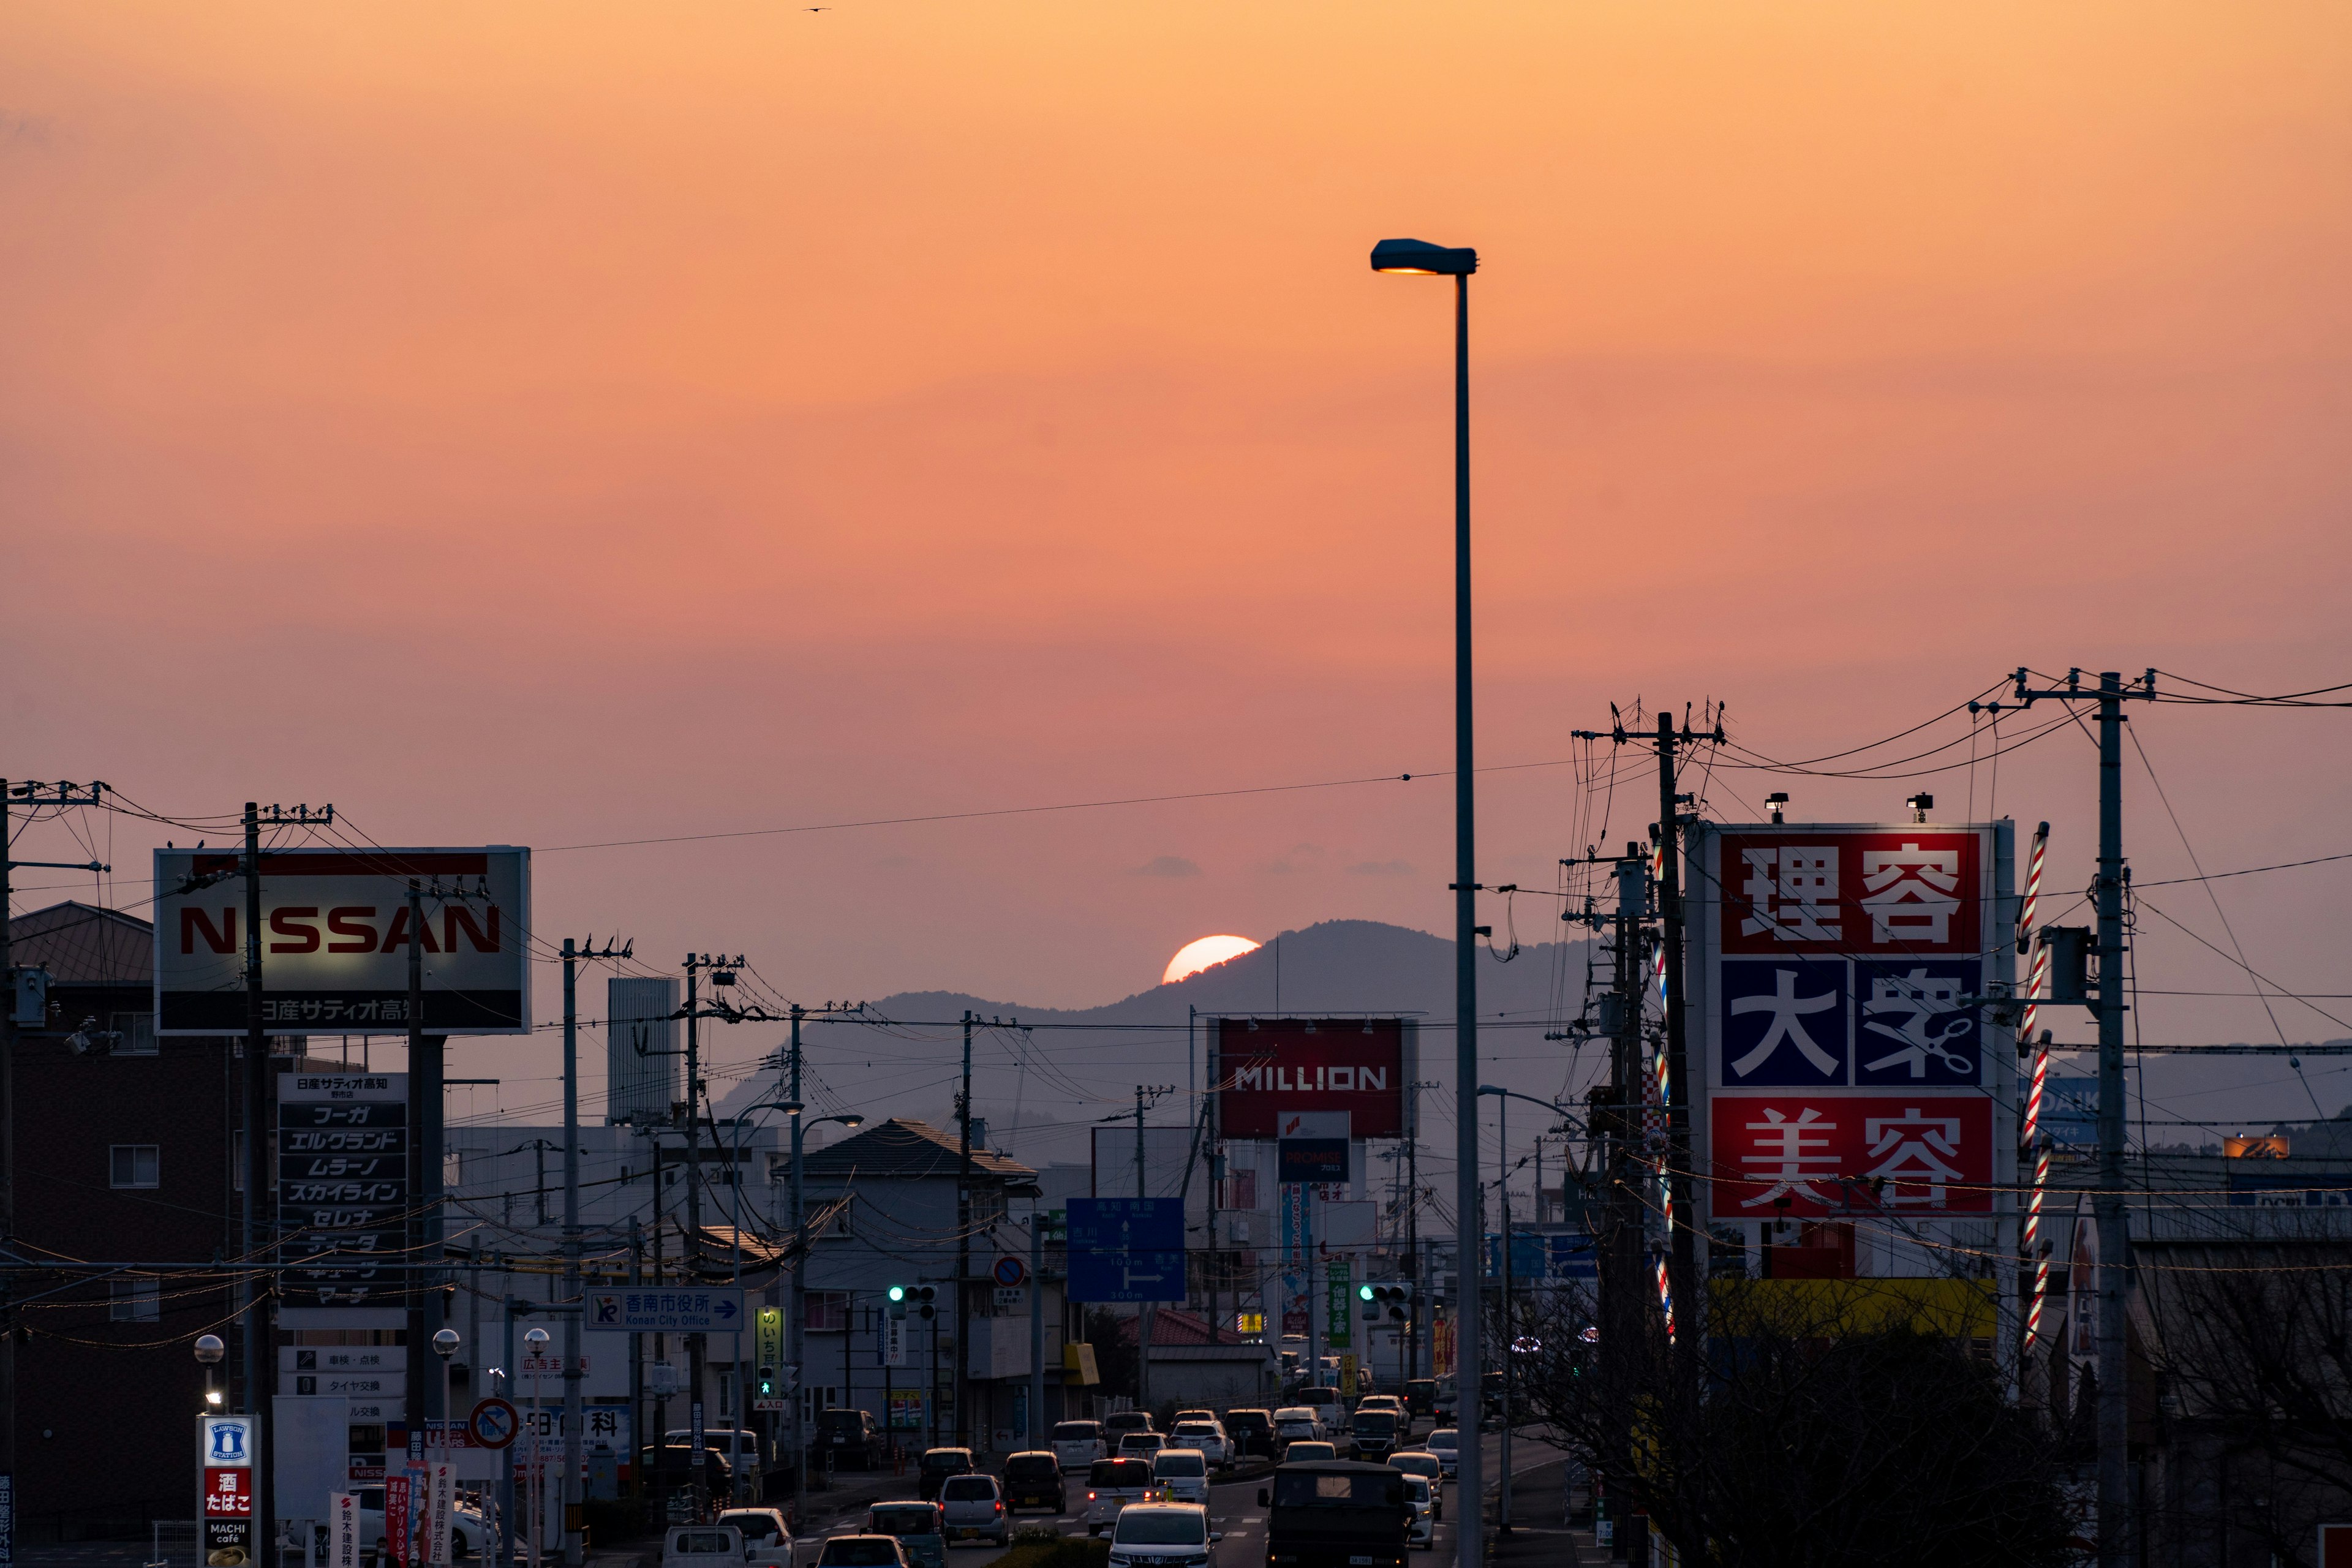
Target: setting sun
x=1195, y=956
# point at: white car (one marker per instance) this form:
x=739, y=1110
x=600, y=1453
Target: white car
x=1329, y=1408
x=1078, y=1444
x=971, y=1508
x=1209, y=1436
x=1182, y=1474
x=469, y=1532
x=1162, y=1535
x=1296, y=1423
x=767, y=1539
x=702, y=1546
x=1423, y=1530
x=1111, y=1486
x=1446, y=1444
x=1140, y=1445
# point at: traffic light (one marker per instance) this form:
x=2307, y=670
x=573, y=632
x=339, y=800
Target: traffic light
x=897, y=1300
x=922, y=1296
x=766, y=1383
x=1392, y=1297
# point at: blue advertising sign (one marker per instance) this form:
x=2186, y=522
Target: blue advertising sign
x=1133, y=1225
x=1113, y=1275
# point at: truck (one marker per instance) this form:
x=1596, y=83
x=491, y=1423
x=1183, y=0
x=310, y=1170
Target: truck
x=1337, y=1513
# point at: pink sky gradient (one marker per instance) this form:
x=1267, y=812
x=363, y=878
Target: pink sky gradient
x=548, y=423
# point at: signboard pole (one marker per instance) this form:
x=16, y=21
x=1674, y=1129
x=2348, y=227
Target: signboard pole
x=260, y=1355
x=1681, y=1240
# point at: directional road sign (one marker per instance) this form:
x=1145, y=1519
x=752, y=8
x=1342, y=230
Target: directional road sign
x=1108, y=1276
x=667, y=1312
x=1132, y=1224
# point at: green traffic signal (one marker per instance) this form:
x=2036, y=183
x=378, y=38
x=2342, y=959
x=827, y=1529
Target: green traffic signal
x=898, y=1292
x=1365, y=1292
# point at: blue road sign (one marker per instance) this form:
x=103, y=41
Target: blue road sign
x=667, y=1312
x=1110, y=1275
x=1128, y=1224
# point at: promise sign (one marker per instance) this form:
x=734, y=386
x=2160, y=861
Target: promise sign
x=335, y=941
x=1267, y=1067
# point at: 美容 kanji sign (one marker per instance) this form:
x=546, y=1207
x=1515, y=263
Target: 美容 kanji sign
x=1837, y=986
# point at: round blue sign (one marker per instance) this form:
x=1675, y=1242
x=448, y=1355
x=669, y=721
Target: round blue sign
x=1010, y=1271
x=494, y=1423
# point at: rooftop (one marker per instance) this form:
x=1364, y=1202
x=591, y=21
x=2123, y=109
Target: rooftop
x=904, y=1147
x=81, y=944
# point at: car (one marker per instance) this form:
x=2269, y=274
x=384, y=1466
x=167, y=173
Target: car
x=847, y=1440
x=1209, y=1436
x=915, y=1528
x=702, y=1546
x=971, y=1508
x=1446, y=1444
x=1376, y=1432
x=671, y=1468
x=938, y=1465
x=1183, y=1416
x=1423, y=1530
x=1420, y=1395
x=1182, y=1474
x=1380, y=1402
x=1329, y=1408
x=1140, y=1445
x=1306, y=1451
x=1429, y=1468
x=1250, y=1431
x=1294, y=1423
x=1118, y=1422
x=744, y=1450
x=468, y=1529
x=1079, y=1444
x=1162, y=1535
x=767, y=1539
x=1033, y=1478
x=863, y=1552
x=1111, y=1485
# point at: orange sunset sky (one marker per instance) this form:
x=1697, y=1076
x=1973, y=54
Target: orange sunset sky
x=564, y=423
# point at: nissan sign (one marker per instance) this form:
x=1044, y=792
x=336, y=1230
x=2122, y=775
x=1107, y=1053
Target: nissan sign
x=1266, y=1067
x=336, y=940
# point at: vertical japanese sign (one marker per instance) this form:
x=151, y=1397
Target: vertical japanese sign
x=1338, y=1288
x=1441, y=1347
x=1838, y=984
x=440, y=1499
x=344, y=1508
x=398, y=1505
x=224, y=1457
x=343, y=1186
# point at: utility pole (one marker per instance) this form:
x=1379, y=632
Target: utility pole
x=575, y=1414
x=1620, y=1247
x=1682, y=1240
x=2113, y=1229
x=963, y=1246
x=1415, y=1299
x=796, y=1304
x=260, y=1368
x=33, y=795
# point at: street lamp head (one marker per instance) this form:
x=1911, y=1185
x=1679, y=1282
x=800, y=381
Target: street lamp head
x=536, y=1339
x=1419, y=258
x=1491, y=1088
x=446, y=1342
x=209, y=1348
x=851, y=1120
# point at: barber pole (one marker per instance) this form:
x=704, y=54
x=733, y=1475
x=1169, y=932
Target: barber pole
x=1667, y=1299
x=2031, y=1140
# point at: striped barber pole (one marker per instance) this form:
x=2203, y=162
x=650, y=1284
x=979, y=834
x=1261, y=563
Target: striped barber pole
x=1666, y=1300
x=2031, y=1141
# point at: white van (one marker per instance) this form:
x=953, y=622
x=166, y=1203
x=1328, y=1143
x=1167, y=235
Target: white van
x=702, y=1546
x=1078, y=1444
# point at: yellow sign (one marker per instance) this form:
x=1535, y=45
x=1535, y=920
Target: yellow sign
x=1348, y=1375
x=1079, y=1360
x=1441, y=1343
x=1826, y=1308
x=1249, y=1322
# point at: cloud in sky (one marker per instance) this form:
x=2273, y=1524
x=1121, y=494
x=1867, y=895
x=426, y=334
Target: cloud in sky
x=1381, y=869
x=1166, y=865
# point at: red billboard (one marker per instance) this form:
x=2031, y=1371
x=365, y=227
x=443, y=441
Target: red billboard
x=1804, y=1155
x=1267, y=1067
x=1887, y=891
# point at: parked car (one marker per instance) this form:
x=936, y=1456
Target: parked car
x=468, y=1529
x=1429, y=1468
x=1423, y=1530
x=1296, y=1423
x=1446, y=1444
x=1034, y=1479
x=1307, y=1452
x=767, y=1539
x=1182, y=1474
x=1140, y=1445
x=915, y=1528
x=1251, y=1432
x=971, y=1508
x=1153, y=1534
x=702, y=1546
x=938, y=1465
x=1209, y=1436
x=863, y=1552
x=1079, y=1444
x=1111, y=1485
x=848, y=1440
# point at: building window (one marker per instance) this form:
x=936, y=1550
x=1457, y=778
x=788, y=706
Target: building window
x=133, y=1165
x=828, y=1311
x=134, y=1300
x=134, y=1034
x=988, y=1206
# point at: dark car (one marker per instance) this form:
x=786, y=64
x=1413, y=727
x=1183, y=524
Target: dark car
x=1034, y=1479
x=916, y=1529
x=1252, y=1432
x=1376, y=1433
x=938, y=1465
x=848, y=1440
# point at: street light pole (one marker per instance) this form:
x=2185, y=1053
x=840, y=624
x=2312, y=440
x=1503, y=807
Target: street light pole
x=1419, y=257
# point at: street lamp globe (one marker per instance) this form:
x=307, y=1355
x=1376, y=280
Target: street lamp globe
x=446, y=1342
x=535, y=1339
x=210, y=1350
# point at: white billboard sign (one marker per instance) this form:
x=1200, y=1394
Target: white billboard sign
x=335, y=941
